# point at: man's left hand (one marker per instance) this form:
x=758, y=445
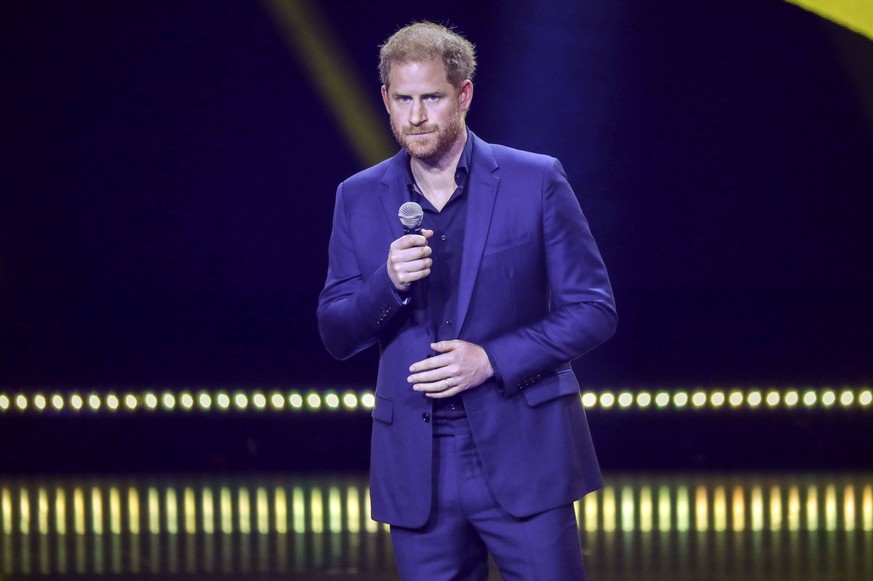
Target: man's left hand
x=458, y=366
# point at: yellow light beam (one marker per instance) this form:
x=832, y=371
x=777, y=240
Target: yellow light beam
x=318, y=50
x=855, y=15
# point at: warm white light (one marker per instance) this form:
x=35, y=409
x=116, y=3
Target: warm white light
x=204, y=400
x=313, y=400
x=223, y=400
x=865, y=398
x=662, y=400
x=277, y=400
x=295, y=400
x=240, y=400
x=260, y=401
x=809, y=398
x=130, y=401
x=350, y=400
x=168, y=400
x=332, y=401
x=791, y=399
x=186, y=400
x=76, y=401
x=680, y=399
x=717, y=398
x=57, y=402
x=151, y=401
x=4, y=402
x=736, y=399
x=698, y=399
x=644, y=399
x=607, y=399
x=625, y=400
x=754, y=398
x=21, y=402
x=828, y=398
x=112, y=402
x=847, y=398
x=39, y=402
x=94, y=402
x=368, y=400
x=589, y=399
x=773, y=399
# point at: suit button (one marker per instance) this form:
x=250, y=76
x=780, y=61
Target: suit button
x=425, y=417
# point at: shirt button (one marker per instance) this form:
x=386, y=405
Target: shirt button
x=444, y=237
x=425, y=417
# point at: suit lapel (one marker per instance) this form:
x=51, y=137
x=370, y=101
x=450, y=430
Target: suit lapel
x=394, y=192
x=482, y=195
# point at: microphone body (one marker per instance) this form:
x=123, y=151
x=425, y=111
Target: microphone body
x=411, y=216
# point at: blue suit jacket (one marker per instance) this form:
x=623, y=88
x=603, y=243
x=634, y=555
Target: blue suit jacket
x=533, y=291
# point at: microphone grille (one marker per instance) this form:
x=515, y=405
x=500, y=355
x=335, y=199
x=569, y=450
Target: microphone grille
x=411, y=215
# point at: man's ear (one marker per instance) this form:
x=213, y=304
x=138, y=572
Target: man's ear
x=385, y=98
x=465, y=95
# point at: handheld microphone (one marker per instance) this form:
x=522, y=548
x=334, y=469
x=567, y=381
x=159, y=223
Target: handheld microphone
x=411, y=216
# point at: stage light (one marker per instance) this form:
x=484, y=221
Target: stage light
x=368, y=400
x=332, y=401
x=168, y=401
x=4, y=402
x=39, y=402
x=313, y=401
x=828, y=398
x=296, y=401
x=186, y=400
x=773, y=399
x=259, y=401
x=791, y=399
x=644, y=399
x=754, y=399
x=151, y=401
x=240, y=400
x=112, y=402
x=589, y=399
x=223, y=401
x=698, y=399
x=58, y=402
x=607, y=400
x=204, y=400
x=94, y=402
x=662, y=400
x=865, y=398
x=76, y=401
x=625, y=400
x=809, y=399
x=717, y=399
x=350, y=400
x=847, y=398
x=21, y=402
x=277, y=400
x=680, y=399
x=736, y=398
x=130, y=401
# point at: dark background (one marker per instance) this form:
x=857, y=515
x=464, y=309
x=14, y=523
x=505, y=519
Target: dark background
x=168, y=174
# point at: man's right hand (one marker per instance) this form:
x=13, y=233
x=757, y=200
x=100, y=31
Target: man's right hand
x=409, y=259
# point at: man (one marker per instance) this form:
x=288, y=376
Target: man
x=479, y=443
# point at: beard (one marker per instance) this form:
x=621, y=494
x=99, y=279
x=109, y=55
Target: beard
x=435, y=142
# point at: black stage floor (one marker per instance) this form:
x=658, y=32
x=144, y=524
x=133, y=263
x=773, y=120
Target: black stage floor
x=641, y=526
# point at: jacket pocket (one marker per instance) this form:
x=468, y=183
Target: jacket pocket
x=383, y=410
x=506, y=244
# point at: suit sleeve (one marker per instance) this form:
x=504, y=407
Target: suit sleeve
x=354, y=307
x=582, y=309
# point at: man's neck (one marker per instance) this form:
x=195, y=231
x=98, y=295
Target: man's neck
x=436, y=178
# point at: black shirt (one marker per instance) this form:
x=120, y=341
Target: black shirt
x=447, y=245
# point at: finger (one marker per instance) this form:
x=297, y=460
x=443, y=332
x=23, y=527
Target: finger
x=436, y=362
x=446, y=346
x=438, y=387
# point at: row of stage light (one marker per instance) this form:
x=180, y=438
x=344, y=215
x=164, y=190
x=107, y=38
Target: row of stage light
x=254, y=400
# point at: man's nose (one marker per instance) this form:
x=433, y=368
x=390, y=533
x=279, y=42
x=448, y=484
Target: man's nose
x=419, y=113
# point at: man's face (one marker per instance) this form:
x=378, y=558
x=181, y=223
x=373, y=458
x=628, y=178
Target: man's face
x=427, y=112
